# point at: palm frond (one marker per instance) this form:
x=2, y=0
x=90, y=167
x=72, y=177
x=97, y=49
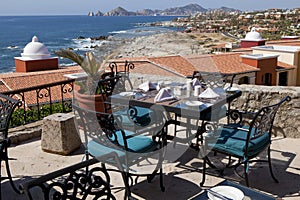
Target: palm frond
x=66, y=53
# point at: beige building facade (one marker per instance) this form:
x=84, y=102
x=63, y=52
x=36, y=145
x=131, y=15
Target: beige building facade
x=286, y=54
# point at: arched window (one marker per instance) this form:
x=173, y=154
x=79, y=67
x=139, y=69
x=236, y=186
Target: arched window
x=244, y=80
x=268, y=79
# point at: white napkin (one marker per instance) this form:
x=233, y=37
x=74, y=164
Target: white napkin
x=195, y=82
x=163, y=95
x=209, y=94
x=146, y=86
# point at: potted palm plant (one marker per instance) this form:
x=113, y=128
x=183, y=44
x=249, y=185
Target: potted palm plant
x=86, y=92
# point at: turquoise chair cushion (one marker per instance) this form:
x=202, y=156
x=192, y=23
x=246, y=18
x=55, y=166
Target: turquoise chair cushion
x=97, y=149
x=136, y=143
x=233, y=142
x=143, y=117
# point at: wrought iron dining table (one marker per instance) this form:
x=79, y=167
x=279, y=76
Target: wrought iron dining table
x=205, y=110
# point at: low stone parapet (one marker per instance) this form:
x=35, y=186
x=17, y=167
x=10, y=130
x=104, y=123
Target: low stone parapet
x=287, y=121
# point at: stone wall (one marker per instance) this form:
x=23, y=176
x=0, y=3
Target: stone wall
x=287, y=122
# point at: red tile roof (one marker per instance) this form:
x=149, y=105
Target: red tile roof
x=16, y=81
x=285, y=42
x=228, y=63
x=284, y=66
x=176, y=64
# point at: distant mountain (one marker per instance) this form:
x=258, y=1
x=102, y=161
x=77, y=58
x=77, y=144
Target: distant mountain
x=99, y=13
x=146, y=12
x=187, y=10
x=226, y=9
x=119, y=11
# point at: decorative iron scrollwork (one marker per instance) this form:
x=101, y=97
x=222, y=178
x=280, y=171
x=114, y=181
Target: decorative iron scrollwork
x=74, y=182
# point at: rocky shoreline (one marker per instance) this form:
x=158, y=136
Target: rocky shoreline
x=173, y=43
x=166, y=44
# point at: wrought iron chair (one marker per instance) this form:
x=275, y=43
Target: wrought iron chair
x=73, y=182
x=103, y=135
x=244, y=142
x=7, y=107
x=134, y=133
x=117, y=81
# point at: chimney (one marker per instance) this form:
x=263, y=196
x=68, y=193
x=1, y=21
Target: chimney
x=35, y=57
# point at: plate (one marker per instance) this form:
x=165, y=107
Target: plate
x=227, y=191
x=127, y=94
x=193, y=103
x=231, y=89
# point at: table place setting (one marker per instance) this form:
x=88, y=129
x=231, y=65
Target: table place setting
x=224, y=192
x=127, y=94
x=173, y=92
x=164, y=95
x=209, y=94
x=134, y=94
x=147, y=86
x=231, y=89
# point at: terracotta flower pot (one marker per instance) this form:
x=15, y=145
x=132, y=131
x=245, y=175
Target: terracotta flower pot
x=89, y=102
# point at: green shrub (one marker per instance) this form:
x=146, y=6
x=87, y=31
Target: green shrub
x=20, y=117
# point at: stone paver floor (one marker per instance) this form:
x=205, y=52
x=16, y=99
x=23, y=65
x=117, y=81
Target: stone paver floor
x=181, y=177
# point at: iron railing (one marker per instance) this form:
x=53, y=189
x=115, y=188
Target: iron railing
x=41, y=101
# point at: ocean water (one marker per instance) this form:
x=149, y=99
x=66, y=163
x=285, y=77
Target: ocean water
x=63, y=32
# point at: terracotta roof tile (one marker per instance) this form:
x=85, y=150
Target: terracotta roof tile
x=175, y=63
x=143, y=65
x=15, y=81
x=282, y=65
x=285, y=42
x=227, y=63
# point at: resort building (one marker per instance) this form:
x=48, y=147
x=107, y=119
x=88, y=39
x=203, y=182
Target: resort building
x=288, y=55
x=257, y=69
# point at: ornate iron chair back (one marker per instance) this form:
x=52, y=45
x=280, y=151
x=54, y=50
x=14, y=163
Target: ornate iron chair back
x=72, y=182
x=7, y=107
x=263, y=120
x=212, y=80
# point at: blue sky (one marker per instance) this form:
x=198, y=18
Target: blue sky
x=82, y=7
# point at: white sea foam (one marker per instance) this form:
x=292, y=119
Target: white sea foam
x=12, y=47
x=116, y=32
x=86, y=44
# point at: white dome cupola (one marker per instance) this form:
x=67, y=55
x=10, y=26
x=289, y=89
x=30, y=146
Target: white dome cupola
x=252, y=39
x=253, y=35
x=35, y=50
x=35, y=57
